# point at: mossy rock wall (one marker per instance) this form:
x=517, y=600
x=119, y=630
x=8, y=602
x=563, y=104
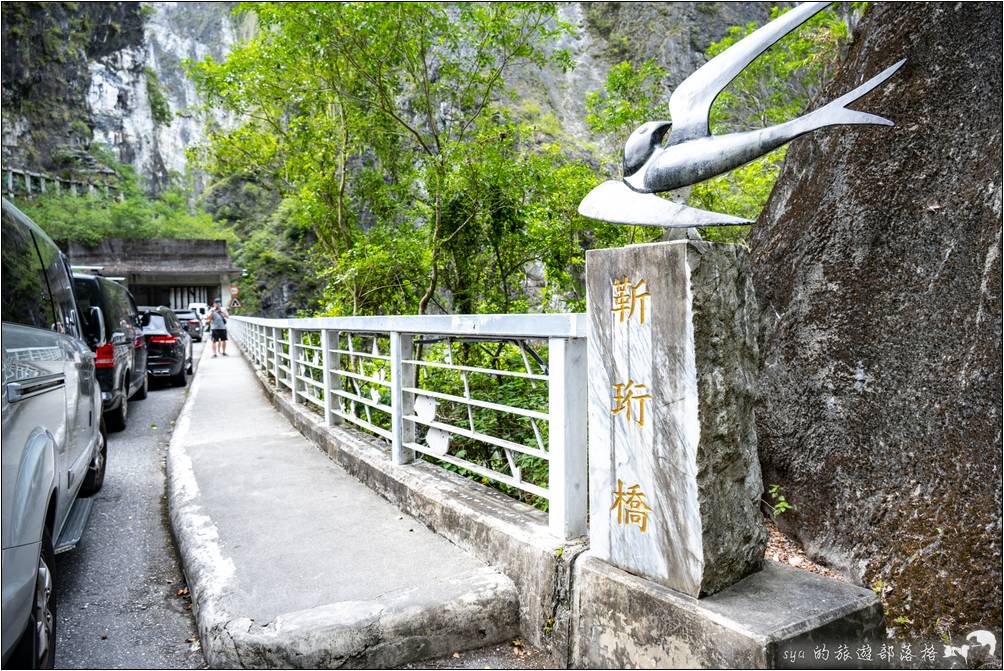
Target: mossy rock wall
x=877, y=264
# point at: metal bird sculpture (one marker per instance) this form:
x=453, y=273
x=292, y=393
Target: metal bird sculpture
x=692, y=154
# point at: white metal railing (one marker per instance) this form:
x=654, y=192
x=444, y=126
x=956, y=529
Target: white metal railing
x=421, y=384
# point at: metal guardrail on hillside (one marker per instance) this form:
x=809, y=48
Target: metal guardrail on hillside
x=422, y=384
x=18, y=182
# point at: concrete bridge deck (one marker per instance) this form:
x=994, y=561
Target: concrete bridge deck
x=293, y=562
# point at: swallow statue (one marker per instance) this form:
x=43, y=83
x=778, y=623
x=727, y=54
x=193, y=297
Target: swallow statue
x=692, y=154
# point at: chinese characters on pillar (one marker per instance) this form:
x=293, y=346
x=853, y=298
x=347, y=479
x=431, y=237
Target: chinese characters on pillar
x=630, y=399
x=629, y=301
x=629, y=298
x=630, y=506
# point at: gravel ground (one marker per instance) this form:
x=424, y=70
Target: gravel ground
x=783, y=549
x=121, y=597
x=512, y=655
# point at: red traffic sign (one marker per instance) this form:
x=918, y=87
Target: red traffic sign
x=234, y=289
x=235, y=303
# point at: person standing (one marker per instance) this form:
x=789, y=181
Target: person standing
x=217, y=320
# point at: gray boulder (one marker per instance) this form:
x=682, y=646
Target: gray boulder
x=877, y=263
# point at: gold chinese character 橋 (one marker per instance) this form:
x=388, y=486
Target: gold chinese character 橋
x=628, y=297
x=631, y=509
x=630, y=399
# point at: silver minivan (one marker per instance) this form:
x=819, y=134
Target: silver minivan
x=53, y=438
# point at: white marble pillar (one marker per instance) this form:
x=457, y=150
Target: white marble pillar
x=673, y=473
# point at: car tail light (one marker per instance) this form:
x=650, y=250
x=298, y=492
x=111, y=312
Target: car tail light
x=163, y=340
x=105, y=356
x=193, y=321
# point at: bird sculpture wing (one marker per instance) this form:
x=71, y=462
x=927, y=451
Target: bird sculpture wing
x=615, y=202
x=690, y=104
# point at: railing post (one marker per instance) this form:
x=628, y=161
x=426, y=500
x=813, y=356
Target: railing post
x=294, y=378
x=329, y=362
x=401, y=403
x=256, y=335
x=567, y=380
x=275, y=358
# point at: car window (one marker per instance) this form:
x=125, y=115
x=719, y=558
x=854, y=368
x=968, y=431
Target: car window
x=156, y=323
x=132, y=309
x=125, y=305
x=59, y=286
x=88, y=295
x=118, y=306
x=25, y=292
x=173, y=320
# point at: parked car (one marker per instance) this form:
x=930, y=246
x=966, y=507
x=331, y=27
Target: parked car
x=117, y=339
x=53, y=439
x=201, y=309
x=191, y=323
x=168, y=345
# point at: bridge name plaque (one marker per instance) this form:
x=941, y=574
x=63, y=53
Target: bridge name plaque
x=673, y=470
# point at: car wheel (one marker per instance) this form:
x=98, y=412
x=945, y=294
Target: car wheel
x=141, y=392
x=116, y=419
x=96, y=471
x=181, y=379
x=37, y=647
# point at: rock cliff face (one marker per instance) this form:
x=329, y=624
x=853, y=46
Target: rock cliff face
x=46, y=51
x=109, y=73
x=878, y=266
x=123, y=84
x=674, y=34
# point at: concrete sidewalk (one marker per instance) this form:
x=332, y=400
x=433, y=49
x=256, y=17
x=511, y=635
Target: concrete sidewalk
x=292, y=562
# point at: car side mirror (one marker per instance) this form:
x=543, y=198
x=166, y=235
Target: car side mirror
x=96, y=324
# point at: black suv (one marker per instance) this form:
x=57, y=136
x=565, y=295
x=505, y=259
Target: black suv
x=191, y=323
x=121, y=360
x=168, y=345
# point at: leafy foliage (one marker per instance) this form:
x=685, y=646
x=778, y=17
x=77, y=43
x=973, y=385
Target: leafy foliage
x=359, y=112
x=159, y=107
x=630, y=97
x=780, y=504
x=90, y=218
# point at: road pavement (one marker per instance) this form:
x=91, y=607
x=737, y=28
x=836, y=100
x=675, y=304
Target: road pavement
x=121, y=596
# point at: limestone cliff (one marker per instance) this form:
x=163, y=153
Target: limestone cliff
x=878, y=266
x=674, y=34
x=79, y=74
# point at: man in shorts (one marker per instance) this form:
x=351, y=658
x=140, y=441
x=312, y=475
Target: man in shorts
x=217, y=320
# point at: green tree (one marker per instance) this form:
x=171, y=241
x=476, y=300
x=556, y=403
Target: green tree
x=359, y=110
x=630, y=97
x=125, y=211
x=509, y=222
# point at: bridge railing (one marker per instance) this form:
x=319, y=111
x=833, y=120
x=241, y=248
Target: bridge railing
x=500, y=397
